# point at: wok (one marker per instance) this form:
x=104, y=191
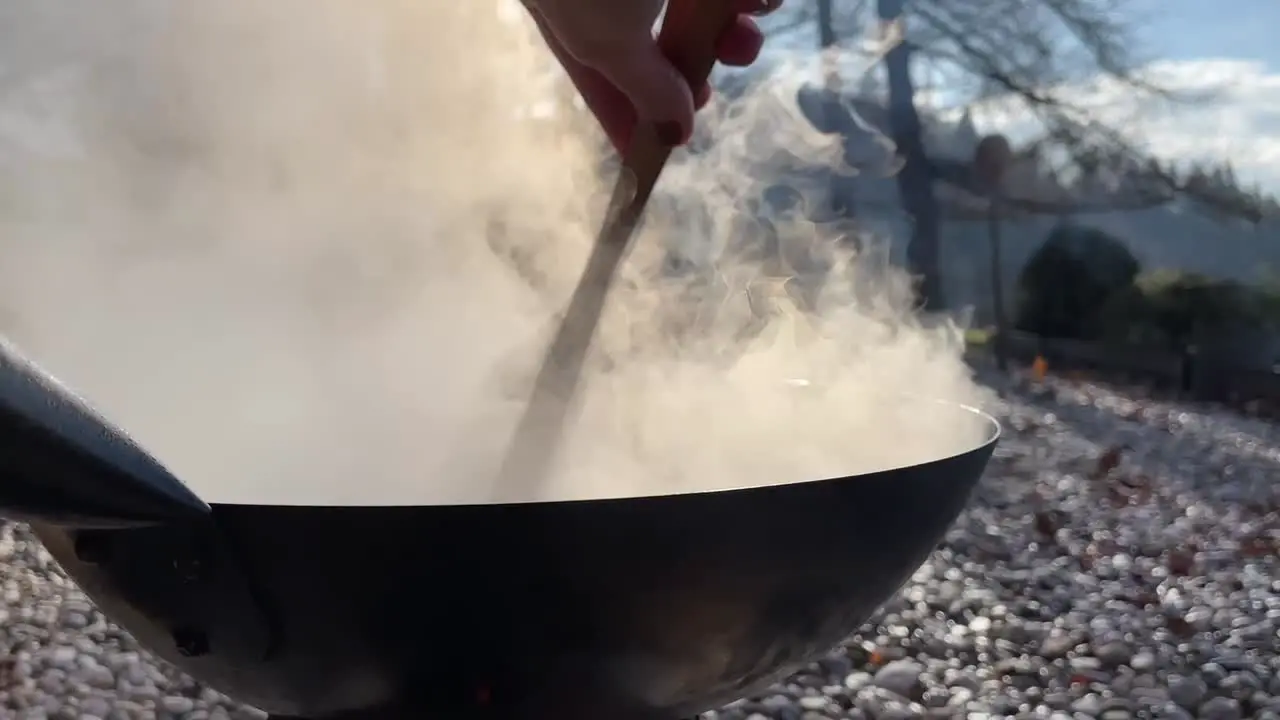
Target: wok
x=643, y=607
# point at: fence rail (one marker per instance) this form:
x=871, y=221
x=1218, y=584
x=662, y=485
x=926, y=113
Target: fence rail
x=1200, y=376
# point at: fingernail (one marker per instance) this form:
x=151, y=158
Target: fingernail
x=670, y=133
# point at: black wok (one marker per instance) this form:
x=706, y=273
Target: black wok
x=642, y=607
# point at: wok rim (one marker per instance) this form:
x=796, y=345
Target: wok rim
x=994, y=432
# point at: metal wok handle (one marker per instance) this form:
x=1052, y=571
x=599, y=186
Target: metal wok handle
x=61, y=463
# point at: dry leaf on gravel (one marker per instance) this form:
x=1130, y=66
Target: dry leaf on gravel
x=1180, y=627
x=1108, y=461
x=1181, y=562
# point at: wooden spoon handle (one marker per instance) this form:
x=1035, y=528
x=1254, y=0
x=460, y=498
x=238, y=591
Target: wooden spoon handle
x=688, y=37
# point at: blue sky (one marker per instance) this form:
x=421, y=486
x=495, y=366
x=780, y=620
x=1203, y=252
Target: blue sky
x=1195, y=29
x=1226, y=48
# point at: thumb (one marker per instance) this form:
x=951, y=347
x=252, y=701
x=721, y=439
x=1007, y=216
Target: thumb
x=655, y=87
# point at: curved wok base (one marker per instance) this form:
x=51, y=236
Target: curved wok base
x=630, y=609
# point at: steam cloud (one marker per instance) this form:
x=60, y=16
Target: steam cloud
x=309, y=252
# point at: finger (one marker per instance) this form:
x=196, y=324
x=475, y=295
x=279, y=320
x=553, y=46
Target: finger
x=656, y=88
x=757, y=7
x=702, y=96
x=611, y=107
x=740, y=43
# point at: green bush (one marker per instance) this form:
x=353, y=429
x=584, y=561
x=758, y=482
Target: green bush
x=1068, y=281
x=1268, y=294
x=1173, y=309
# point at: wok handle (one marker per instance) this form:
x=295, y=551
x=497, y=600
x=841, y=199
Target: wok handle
x=61, y=463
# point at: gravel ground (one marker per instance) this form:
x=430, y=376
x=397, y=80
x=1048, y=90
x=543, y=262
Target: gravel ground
x=1119, y=561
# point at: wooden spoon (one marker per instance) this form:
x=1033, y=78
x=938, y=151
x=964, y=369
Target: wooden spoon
x=688, y=37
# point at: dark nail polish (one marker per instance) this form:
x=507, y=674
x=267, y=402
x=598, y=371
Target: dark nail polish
x=670, y=133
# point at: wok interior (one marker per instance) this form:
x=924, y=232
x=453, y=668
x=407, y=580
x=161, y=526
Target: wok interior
x=592, y=471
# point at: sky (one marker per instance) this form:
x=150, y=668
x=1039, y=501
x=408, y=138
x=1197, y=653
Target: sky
x=1228, y=48
x=1196, y=29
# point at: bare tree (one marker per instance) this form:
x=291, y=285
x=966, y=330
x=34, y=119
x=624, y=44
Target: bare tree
x=842, y=189
x=1028, y=54
x=826, y=24
x=915, y=180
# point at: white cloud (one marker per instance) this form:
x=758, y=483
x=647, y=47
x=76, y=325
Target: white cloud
x=1235, y=117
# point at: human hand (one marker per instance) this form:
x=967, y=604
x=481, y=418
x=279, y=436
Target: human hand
x=609, y=52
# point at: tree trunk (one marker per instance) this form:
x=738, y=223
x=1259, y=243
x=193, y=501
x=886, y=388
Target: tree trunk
x=840, y=189
x=915, y=181
x=826, y=25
